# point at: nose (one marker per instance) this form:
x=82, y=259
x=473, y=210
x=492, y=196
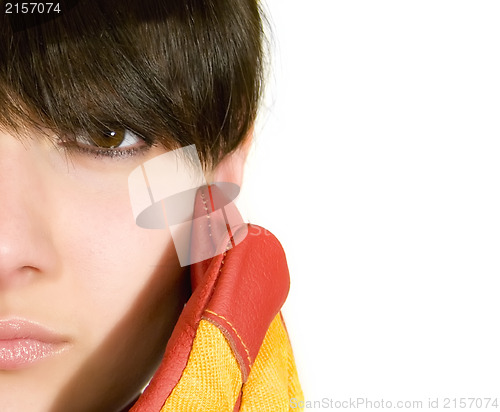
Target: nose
x=26, y=250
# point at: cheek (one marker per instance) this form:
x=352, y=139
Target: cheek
x=128, y=282
x=109, y=261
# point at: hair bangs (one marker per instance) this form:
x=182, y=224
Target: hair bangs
x=177, y=73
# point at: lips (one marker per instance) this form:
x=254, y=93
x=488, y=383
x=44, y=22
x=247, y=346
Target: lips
x=24, y=343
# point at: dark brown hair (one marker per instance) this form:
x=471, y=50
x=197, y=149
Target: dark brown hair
x=175, y=72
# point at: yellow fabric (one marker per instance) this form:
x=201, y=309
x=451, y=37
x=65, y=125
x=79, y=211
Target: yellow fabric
x=211, y=381
x=273, y=380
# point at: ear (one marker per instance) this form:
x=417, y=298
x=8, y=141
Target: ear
x=232, y=167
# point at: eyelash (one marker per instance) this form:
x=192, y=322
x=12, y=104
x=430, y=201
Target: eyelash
x=72, y=144
x=110, y=153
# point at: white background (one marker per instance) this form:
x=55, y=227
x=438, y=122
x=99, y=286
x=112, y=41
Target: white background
x=377, y=165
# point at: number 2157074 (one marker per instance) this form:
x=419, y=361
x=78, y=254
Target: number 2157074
x=32, y=8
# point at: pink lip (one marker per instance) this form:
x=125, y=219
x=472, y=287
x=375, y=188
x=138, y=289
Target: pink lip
x=23, y=343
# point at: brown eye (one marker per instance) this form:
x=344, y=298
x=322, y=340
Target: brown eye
x=110, y=139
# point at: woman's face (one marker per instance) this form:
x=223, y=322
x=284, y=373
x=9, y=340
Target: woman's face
x=87, y=298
